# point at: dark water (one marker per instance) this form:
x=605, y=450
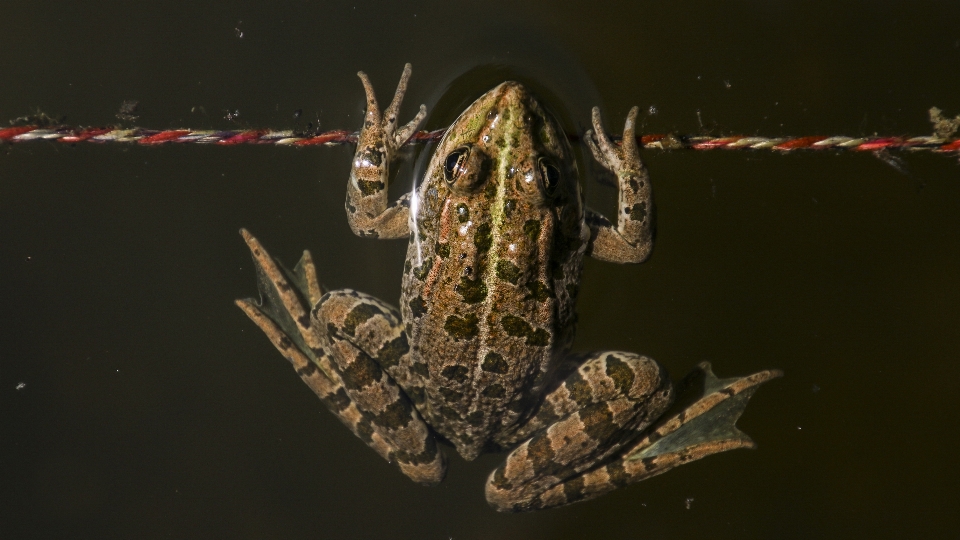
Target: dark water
x=152, y=408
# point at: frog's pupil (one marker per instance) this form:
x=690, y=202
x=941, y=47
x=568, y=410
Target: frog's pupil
x=453, y=165
x=551, y=176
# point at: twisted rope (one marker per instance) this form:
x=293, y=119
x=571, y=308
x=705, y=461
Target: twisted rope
x=73, y=135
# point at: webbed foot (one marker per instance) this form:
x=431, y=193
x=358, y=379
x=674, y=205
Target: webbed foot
x=342, y=374
x=701, y=422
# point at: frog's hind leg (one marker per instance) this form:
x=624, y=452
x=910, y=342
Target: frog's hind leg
x=284, y=316
x=372, y=356
x=539, y=474
x=597, y=409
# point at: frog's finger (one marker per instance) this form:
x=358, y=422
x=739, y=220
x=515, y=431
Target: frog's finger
x=629, y=143
x=392, y=110
x=606, y=146
x=373, y=109
x=407, y=131
x=588, y=137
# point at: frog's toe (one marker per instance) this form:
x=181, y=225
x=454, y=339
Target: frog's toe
x=286, y=296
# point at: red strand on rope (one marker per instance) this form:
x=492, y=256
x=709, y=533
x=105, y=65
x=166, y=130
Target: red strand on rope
x=72, y=135
x=801, y=142
x=329, y=137
x=10, y=133
x=163, y=136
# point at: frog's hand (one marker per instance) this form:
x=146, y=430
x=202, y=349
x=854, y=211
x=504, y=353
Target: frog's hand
x=630, y=240
x=379, y=140
x=283, y=315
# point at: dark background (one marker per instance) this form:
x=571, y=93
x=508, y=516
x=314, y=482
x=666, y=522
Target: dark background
x=151, y=408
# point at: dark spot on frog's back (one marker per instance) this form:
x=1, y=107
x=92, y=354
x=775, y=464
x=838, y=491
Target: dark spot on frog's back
x=539, y=291
x=449, y=413
x=509, y=206
x=490, y=188
x=421, y=272
x=494, y=363
x=417, y=307
x=450, y=395
x=462, y=327
x=475, y=418
x=473, y=291
x=482, y=238
x=455, y=373
x=417, y=394
x=531, y=228
x=494, y=391
x=508, y=271
x=421, y=369
x=517, y=327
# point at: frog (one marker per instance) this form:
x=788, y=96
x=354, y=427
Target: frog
x=478, y=356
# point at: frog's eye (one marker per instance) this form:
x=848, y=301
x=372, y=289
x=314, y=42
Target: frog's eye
x=455, y=164
x=549, y=175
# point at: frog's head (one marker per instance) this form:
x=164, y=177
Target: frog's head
x=506, y=155
x=507, y=135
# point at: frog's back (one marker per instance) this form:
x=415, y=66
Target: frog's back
x=492, y=267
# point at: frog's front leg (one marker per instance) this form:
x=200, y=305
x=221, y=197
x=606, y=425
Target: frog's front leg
x=631, y=240
x=367, y=210
x=352, y=352
x=599, y=430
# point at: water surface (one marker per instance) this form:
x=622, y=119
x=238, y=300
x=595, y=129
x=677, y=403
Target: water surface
x=138, y=402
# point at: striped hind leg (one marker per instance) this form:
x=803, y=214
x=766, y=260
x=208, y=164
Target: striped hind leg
x=595, y=411
x=599, y=430
x=345, y=369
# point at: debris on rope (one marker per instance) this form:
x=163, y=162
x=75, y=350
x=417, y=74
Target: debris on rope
x=943, y=140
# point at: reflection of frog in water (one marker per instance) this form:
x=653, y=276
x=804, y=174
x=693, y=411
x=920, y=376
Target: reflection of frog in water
x=478, y=354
